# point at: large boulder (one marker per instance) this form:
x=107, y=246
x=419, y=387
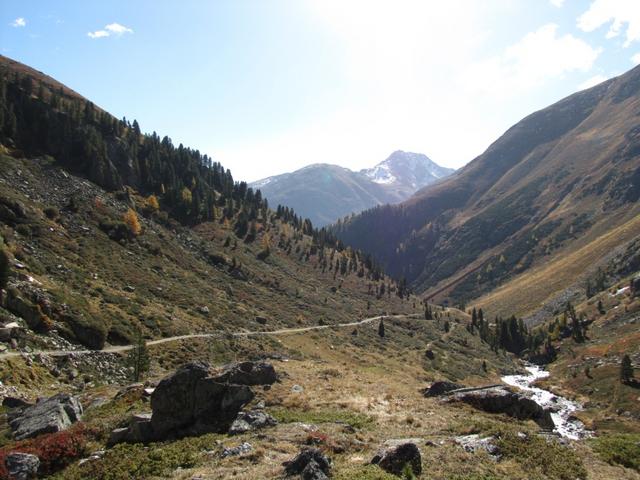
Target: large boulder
x=22, y=466
x=393, y=456
x=437, y=389
x=193, y=401
x=500, y=399
x=51, y=415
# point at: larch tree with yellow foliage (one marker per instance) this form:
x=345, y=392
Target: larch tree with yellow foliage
x=130, y=218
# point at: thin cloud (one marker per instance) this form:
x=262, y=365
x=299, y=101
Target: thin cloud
x=19, y=22
x=113, y=29
x=557, y=3
x=622, y=15
x=538, y=57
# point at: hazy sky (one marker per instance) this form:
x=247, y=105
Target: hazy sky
x=267, y=86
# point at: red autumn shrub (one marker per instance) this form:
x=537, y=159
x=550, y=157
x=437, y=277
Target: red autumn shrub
x=55, y=450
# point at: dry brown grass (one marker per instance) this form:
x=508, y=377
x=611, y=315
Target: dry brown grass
x=527, y=292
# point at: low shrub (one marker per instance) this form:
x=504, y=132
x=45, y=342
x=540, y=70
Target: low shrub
x=51, y=212
x=55, y=450
x=621, y=449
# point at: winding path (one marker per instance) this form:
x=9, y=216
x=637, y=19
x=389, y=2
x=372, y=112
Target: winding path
x=282, y=331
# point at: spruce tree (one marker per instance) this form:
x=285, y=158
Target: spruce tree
x=4, y=268
x=626, y=370
x=381, y=328
x=139, y=359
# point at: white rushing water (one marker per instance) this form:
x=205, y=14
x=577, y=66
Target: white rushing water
x=561, y=408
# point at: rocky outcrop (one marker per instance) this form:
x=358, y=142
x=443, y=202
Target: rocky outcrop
x=437, y=389
x=192, y=401
x=499, y=399
x=47, y=416
x=22, y=466
x=394, y=455
x=309, y=464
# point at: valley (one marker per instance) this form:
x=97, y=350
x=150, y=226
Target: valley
x=161, y=319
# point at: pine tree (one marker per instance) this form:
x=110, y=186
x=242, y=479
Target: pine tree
x=626, y=370
x=381, y=328
x=139, y=359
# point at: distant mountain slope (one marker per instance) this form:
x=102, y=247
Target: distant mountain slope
x=324, y=193
x=555, y=181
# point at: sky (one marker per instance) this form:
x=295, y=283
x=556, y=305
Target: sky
x=270, y=86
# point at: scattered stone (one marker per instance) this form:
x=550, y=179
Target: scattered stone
x=134, y=387
x=94, y=456
x=475, y=443
x=22, y=466
x=499, y=399
x=440, y=388
x=50, y=415
x=129, y=288
x=204, y=310
x=252, y=420
x=261, y=320
x=297, y=389
x=235, y=451
x=309, y=462
x=393, y=455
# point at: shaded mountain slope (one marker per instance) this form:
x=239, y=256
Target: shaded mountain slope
x=562, y=175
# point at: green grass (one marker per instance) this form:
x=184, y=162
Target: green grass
x=356, y=420
x=619, y=449
x=368, y=472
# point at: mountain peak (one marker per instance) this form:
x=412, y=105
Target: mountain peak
x=407, y=170
x=325, y=192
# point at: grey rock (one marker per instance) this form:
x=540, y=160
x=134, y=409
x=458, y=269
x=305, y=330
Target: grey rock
x=499, y=399
x=313, y=471
x=235, y=451
x=118, y=435
x=50, y=415
x=475, y=443
x=22, y=466
x=249, y=373
x=393, y=458
x=15, y=402
x=437, y=389
x=304, y=458
x=249, y=421
x=261, y=320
